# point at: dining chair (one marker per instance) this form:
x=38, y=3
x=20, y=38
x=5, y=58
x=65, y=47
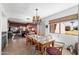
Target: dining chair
x=56, y=49
x=41, y=48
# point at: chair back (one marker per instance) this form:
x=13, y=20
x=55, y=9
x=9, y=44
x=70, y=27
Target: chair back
x=59, y=45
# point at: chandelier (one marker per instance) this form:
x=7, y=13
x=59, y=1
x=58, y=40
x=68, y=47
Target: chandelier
x=36, y=18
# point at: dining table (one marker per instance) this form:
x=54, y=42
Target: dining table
x=40, y=42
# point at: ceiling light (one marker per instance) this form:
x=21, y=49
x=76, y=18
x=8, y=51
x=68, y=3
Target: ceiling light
x=36, y=18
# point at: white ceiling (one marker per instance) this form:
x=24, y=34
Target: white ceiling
x=22, y=11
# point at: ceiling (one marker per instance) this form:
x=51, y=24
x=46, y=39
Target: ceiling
x=23, y=12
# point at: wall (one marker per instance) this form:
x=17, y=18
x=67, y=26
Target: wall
x=3, y=18
x=3, y=23
x=0, y=28
x=67, y=39
x=42, y=27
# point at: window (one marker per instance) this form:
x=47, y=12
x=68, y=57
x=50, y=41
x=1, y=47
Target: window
x=71, y=27
x=65, y=25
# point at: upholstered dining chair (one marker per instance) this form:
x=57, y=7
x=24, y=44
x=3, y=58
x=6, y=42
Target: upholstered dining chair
x=56, y=49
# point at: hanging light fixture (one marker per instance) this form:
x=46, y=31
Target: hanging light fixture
x=36, y=18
